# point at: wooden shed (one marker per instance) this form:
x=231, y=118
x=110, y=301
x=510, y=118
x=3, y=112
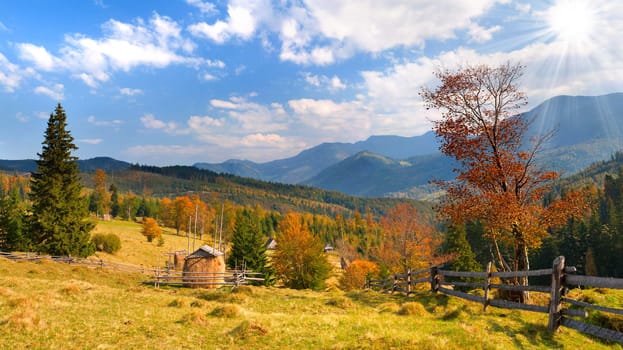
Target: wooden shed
x=271, y=244
x=204, y=268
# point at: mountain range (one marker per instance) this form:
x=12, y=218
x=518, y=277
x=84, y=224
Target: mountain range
x=587, y=129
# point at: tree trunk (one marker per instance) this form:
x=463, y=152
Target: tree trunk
x=521, y=263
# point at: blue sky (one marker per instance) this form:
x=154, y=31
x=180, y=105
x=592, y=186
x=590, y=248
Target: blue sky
x=185, y=81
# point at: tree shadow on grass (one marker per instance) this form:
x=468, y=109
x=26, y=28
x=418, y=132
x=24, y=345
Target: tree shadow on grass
x=375, y=299
x=535, y=334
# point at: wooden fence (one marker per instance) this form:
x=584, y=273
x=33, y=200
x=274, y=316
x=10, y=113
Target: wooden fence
x=88, y=262
x=204, y=279
x=562, y=278
x=158, y=275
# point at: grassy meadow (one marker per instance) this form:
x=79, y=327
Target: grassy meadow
x=48, y=305
x=136, y=250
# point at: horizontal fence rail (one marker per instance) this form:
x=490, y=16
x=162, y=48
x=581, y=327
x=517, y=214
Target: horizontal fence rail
x=204, y=279
x=88, y=262
x=159, y=276
x=563, y=278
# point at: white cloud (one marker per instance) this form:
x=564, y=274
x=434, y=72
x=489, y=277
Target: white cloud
x=243, y=19
x=337, y=84
x=111, y=123
x=55, y=92
x=21, y=117
x=259, y=140
x=11, y=75
x=209, y=77
x=352, y=26
x=157, y=43
x=39, y=56
x=346, y=121
x=323, y=31
x=480, y=34
x=204, y=7
x=90, y=141
x=150, y=122
x=3, y=28
x=312, y=79
x=158, y=152
x=130, y=92
x=215, y=63
x=253, y=117
x=332, y=84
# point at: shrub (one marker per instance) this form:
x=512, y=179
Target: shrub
x=106, y=242
x=388, y=307
x=194, y=317
x=355, y=275
x=341, y=302
x=227, y=311
x=248, y=329
x=177, y=303
x=412, y=309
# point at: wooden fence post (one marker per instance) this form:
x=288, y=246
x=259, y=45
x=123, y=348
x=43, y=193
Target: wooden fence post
x=394, y=285
x=434, y=279
x=555, y=294
x=487, y=286
x=408, y=281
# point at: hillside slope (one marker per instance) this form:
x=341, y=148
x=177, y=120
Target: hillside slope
x=50, y=305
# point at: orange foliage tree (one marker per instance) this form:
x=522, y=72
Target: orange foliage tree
x=498, y=182
x=408, y=240
x=355, y=274
x=101, y=196
x=299, y=259
x=151, y=229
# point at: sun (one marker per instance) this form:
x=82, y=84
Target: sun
x=572, y=21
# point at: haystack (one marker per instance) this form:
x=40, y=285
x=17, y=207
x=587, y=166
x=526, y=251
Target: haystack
x=204, y=268
x=179, y=258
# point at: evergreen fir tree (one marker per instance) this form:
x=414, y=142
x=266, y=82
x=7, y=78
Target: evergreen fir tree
x=248, y=246
x=457, y=244
x=114, y=201
x=13, y=235
x=59, y=224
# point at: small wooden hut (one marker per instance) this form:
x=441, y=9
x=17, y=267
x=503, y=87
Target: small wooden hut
x=271, y=244
x=204, y=268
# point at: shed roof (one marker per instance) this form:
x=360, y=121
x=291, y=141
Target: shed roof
x=205, y=251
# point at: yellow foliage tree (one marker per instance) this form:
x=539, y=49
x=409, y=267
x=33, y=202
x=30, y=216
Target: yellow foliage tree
x=151, y=229
x=299, y=258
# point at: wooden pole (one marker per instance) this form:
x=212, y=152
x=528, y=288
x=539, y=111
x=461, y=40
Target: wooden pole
x=408, y=281
x=487, y=286
x=434, y=279
x=555, y=315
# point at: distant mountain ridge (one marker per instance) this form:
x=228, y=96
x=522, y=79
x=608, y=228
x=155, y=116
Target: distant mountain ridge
x=312, y=161
x=86, y=165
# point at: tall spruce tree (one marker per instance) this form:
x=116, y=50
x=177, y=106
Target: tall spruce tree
x=248, y=246
x=59, y=224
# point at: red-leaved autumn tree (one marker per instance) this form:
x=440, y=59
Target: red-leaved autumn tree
x=408, y=241
x=498, y=181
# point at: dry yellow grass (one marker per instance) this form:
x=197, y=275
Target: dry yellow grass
x=58, y=306
x=136, y=250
